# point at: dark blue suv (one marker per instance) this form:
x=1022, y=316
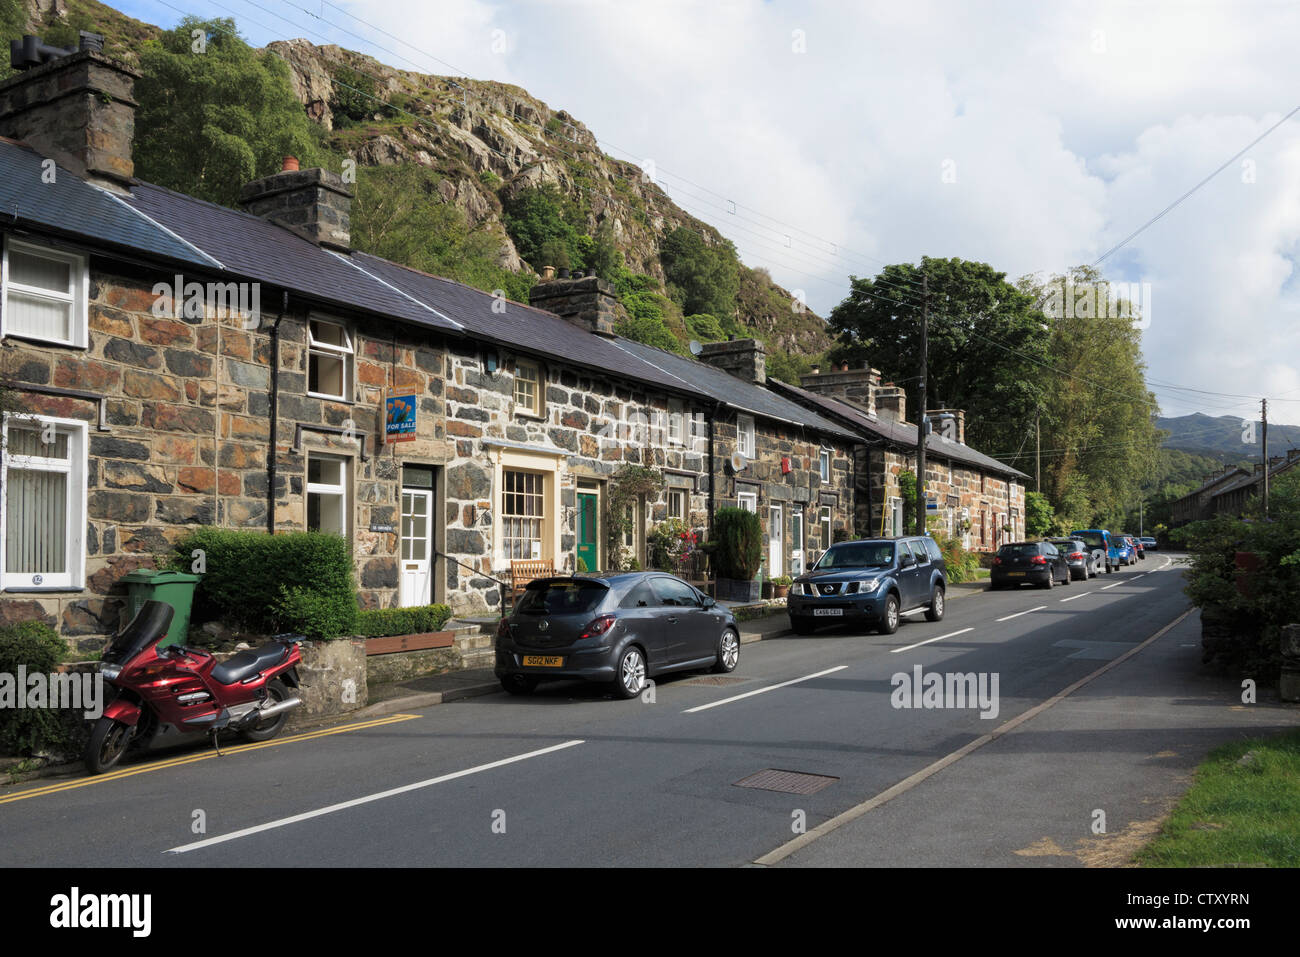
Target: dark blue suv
x=870, y=582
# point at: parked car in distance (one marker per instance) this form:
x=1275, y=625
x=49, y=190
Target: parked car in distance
x=1098, y=540
x=1150, y=543
x=872, y=582
x=620, y=629
x=1038, y=563
x=1084, y=562
x=1125, y=553
x=1138, y=548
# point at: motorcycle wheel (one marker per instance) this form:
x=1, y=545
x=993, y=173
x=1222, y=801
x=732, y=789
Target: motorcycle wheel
x=108, y=742
x=276, y=690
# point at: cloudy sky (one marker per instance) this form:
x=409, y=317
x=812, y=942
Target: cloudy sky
x=826, y=139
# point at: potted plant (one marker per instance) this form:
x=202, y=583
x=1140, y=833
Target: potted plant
x=738, y=554
x=781, y=586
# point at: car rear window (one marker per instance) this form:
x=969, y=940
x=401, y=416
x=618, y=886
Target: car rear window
x=1013, y=550
x=1091, y=538
x=562, y=598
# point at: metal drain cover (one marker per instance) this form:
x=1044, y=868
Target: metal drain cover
x=787, y=782
x=714, y=681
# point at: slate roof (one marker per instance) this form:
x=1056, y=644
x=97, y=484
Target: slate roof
x=893, y=432
x=72, y=207
x=1254, y=478
x=734, y=392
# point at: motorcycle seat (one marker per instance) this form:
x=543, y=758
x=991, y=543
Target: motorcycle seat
x=248, y=663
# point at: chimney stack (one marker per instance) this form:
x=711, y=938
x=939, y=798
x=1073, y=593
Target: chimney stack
x=74, y=107
x=941, y=428
x=855, y=386
x=587, y=301
x=314, y=203
x=746, y=359
x=891, y=402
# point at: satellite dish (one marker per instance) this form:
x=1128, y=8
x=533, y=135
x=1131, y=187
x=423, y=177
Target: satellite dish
x=738, y=462
x=695, y=348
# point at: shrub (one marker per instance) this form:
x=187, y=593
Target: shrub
x=665, y=544
x=739, y=549
x=961, y=564
x=298, y=581
x=382, y=622
x=38, y=649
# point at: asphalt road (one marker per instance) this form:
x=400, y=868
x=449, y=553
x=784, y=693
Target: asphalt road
x=572, y=777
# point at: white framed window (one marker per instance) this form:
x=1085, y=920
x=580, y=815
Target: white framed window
x=528, y=387
x=44, y=294
x=329, y=361
x=677, y=503
x=747, y=500
x=327, y=494
x=824, y=465
x=676, y=424
x=523, y=513
x=745, y=435
x=825, y=521
x=43, y=512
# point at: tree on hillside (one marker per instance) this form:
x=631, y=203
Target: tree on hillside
x=211, y=121
x=986, y=340
x=701, y=278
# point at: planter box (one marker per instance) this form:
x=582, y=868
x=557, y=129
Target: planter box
x=731, y=589
x=394, y=643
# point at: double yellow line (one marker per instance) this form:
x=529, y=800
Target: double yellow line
x=202, y=756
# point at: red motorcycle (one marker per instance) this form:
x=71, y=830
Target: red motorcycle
x=184, y=689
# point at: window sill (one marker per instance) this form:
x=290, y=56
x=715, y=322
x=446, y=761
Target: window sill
x=526, y=414
x=36, y=340
x=40, y=589
x=330, y=398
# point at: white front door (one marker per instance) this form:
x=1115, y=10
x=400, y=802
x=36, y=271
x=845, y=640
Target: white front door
x=775, y=541
x=796, y=541
x=417, y=551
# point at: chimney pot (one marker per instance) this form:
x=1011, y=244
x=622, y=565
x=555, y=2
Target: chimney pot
x=289, y=165
x=564, y=273
x=548, y=272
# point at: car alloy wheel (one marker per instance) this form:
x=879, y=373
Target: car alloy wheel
x=631, y=673
x=889, y=624
x=728, y=652
x=935, y=611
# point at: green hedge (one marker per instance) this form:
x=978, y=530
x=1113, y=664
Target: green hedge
x=297, y=581
x=739, y=551
x=382, y=622
x=27, y=731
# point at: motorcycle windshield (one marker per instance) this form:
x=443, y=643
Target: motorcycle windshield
x=148, y=627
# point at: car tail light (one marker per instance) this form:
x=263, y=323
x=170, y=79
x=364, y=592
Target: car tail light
x=1039, y=560
x=1076, y=554
x=997, y=561
x=598, y=626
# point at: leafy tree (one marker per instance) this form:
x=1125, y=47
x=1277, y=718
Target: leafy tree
x=787, y=367
x=986, y=338
x=1040, y=517
x=705, y=328
x=354, y=96
x=13, y=20
x=210, y=122
x=399, y=215
x=545, y=225
x=701, y=278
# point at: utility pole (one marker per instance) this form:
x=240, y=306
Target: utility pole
x=1141, y=527
x=921, y=513
x=1038, y=456
x=1264, y=438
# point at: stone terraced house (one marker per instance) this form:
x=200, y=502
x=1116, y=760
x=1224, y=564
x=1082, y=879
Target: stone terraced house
x=177, y=364
x=974, y=497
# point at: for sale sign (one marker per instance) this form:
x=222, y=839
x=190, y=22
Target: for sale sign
x=399, y=418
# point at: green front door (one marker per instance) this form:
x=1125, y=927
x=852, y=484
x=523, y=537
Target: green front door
x=587, y=550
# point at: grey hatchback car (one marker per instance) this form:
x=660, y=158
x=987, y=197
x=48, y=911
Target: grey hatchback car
x=620, y=629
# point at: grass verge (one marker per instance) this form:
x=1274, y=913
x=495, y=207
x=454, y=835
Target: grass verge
x=1242, y=810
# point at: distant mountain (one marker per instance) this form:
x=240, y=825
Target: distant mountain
x=1221, y=437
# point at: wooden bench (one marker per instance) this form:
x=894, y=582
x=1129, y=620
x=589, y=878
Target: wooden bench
x=524, y=570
